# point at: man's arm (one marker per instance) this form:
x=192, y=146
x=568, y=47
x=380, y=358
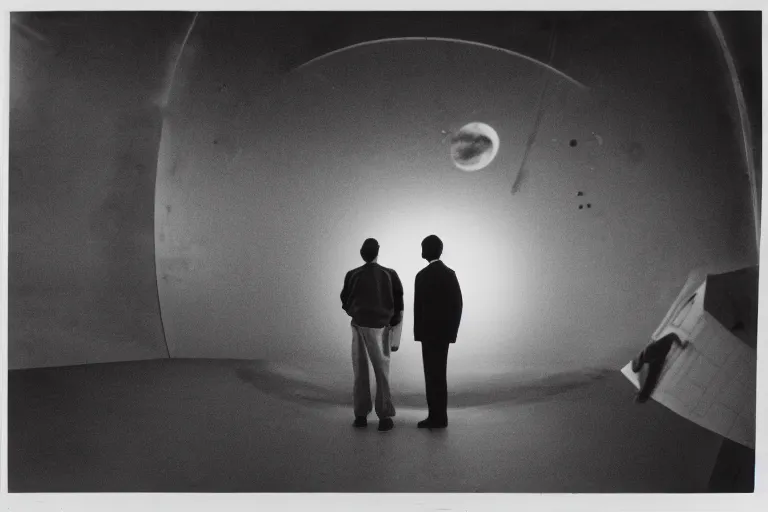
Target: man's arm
x=680, y=343
x=397, y=293
x=417, y=304
x=345, y=292
x=457, y=301
x=670, y=339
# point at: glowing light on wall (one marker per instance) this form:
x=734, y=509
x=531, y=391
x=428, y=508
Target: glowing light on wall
x=482, y=254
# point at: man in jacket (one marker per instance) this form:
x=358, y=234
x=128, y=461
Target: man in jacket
x=437, y=307
x=373, y=297
x=655, y=356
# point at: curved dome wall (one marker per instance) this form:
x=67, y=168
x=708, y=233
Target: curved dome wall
x=268, y=183
x=83, y=143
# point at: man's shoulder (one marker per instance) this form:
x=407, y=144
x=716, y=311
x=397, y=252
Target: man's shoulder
x=442, y=267
x=379, y=268
x=443, y=273
x=373, y=269
x=427, y=274
x=438, y=267
x=355, y=270
x=391, y=271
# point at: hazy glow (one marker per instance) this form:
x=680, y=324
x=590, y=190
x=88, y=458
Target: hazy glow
x=482, y=254
x=256, y=233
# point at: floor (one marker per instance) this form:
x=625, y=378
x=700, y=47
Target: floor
x=237, y=426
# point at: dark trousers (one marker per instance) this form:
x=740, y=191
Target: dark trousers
x=435, y=357
x=651, y=380
x=654, y=355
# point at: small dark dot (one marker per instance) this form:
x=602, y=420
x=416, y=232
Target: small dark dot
x=581, y=206
x=215, y=141
x=589, y=205
x=579, y=193
x=573, y=143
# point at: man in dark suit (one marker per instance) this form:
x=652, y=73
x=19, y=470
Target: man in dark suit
x=373, y=297
x=437, y=306
x=655, y=356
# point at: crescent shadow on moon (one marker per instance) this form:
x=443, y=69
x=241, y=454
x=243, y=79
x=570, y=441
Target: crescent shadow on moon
x=473, y=133
x=448, y=40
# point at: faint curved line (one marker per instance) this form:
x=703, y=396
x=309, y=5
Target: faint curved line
x=28, y=31
x=449, y=40
x=167, y=94
x=743, y=118
x=165, y=98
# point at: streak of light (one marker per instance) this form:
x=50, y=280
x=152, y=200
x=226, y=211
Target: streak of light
x=166, y=96
x=745, y=131
x=28, y=31
x=448, y=40
x=537, y=121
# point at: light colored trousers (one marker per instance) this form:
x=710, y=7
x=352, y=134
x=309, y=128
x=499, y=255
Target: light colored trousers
x=374, y=344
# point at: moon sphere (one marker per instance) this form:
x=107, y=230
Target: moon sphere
x=474, y=146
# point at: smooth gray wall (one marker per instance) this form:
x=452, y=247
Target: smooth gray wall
x=268, y=186
x=84, y=135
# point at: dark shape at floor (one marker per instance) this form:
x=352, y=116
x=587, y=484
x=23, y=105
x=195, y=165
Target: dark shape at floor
x=734, y=469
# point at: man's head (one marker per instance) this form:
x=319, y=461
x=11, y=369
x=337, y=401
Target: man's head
x=370, y=250
x=431, y=248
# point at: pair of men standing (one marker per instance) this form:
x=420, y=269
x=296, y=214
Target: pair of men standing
x=373, y=297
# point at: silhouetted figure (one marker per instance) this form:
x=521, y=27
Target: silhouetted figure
x=654, y=355
x=373, y=297
x=437, y=306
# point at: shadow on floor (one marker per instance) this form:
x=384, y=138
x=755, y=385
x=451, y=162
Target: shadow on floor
x=259, y=375
x=242, y=426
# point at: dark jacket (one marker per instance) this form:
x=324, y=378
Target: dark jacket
x=437, y=304
x=656, y=351
x=655, y=356
x=372, y=295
